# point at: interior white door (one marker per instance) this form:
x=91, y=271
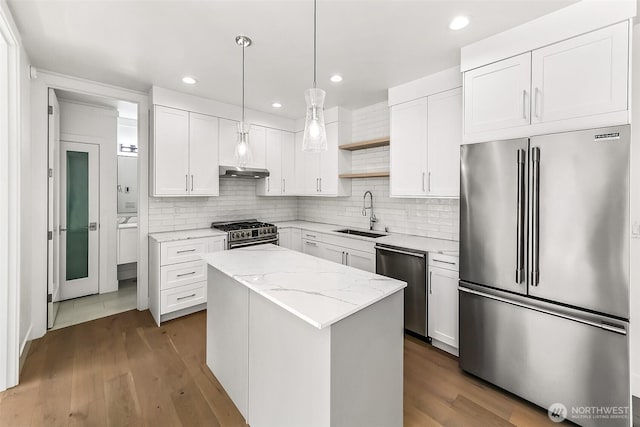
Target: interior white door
x=79, y=219
x=443, y=306
x=53, y=247
x=273, y=162
x=497, y=96
x=203, y=155
x=582, y=76
x=289, y=182
x=171, y=152
x=408, y=150
x=444, y=136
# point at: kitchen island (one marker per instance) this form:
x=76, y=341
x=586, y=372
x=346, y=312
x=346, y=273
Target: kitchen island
x=300, y=341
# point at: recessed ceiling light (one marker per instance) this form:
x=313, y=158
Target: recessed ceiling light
x=189, y=80
x=336, y=78
x=276, y=105
x=459, y=22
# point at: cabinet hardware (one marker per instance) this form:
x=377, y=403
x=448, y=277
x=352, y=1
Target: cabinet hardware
x=191, y=182
x=185, y=251
x=346, y=258
x=524, y=104
x=185, y=274
x=444, y=262
x=186, y=183
x=429, y=178
x=535, y=102
x=185, y=297
x=321, y=185
x=268, y=185
x=430, y=281
x=342, y=261
x=311, y=243
x=283, y=185
x=423, y=186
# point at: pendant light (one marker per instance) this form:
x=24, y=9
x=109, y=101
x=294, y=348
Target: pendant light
x=315, y=135
x=243, y=150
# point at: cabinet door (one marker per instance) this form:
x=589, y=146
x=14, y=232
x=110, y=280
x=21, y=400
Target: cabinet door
x=273, y=183
x=218, y=244
x=408, y=151
x=171, y=152
x=443, y=306
x=329, y=162
x=444, y=130
x=258, y=147
x=284, y=237
x=228, y=131
x=310, y=247
x=203, y=155
x=289, y=186
x=497, y=96
x=296, y=239
x=582, y=76
x=307, y=169
x=333, y=253
x=361, y=260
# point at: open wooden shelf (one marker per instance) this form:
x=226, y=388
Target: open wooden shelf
x=380, y=142
x=379, y=174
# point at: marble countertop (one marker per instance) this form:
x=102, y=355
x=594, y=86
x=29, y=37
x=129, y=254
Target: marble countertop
x=318, y=291
x=170, y=236
x=426, y=244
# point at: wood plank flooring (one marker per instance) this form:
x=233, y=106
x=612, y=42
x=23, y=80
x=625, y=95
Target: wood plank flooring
x=122, y=370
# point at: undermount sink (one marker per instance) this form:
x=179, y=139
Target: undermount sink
x=360, y=233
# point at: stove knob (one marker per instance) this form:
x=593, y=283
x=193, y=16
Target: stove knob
x=234, y=235
x=246, y=234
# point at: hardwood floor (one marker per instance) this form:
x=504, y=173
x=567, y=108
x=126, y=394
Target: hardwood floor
x=124, y=371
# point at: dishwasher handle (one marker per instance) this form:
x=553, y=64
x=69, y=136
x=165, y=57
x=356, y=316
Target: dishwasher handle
x=399, y=251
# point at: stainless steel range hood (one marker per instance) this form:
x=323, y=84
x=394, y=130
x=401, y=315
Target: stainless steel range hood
x=238, y=172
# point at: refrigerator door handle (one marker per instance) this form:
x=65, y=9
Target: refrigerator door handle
x=535, y=217
x=602, y=325
x=520, y=222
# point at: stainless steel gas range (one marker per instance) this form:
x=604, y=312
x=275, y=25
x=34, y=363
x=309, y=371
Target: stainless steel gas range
x=247, y=233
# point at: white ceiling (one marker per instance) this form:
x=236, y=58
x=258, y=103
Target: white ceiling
x=374, y=44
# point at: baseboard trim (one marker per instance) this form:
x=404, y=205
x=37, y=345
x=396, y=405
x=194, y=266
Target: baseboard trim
x=635, y=385
x=24, y=349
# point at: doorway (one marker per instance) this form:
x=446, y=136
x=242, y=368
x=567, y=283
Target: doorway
x=85, y=144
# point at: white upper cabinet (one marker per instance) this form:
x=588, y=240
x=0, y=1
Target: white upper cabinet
x=170, y=152
x=444, y=136
x=425, y=146
x=497, y=96
x=258, y=147
x=408, y=149
x=289, y=182
x=329, y=162
x=272, y=185
x=203, y=155
x=185, y=153
x=582, y=76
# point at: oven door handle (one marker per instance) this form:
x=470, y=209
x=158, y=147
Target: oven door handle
x=255, y=242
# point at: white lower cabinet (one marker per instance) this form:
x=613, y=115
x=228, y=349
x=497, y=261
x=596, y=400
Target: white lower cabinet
x=311, y=247
x=443, y=302
x=361, y=260
x=290, y=238
x=178, y=277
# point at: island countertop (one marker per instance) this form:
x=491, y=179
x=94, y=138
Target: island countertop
x=317, y=291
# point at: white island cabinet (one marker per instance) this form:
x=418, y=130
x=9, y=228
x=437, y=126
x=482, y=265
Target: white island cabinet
x=300, y=341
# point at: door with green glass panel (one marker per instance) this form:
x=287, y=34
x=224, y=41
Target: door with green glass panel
x=79, y=218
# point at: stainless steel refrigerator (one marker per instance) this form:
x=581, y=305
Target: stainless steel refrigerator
x=544, y=269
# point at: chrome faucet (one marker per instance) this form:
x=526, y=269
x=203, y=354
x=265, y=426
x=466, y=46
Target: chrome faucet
x=372, y=216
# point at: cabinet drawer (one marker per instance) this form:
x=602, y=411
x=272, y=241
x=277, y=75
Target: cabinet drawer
x=312, y=235
x=182, y=251
x=447, y=262
x=175, y=275
x=183, y=297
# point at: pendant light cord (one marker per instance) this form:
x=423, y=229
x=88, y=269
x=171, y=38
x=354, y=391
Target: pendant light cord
x=315, y=54
x=243, y=47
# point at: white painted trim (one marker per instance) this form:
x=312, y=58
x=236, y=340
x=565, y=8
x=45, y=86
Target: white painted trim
x=442, y=81
x=23, y=345
x=571, y=21
x=635, y=385
x=39, y=92
x=10, y=200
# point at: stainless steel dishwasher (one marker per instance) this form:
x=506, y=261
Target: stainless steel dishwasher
x=409, y=266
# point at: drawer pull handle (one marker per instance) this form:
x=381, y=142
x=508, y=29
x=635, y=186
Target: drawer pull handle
x=186, y=250
x=185, y=297
x=310, y=243
x=310, y=235
x=185, y=274
x=444, y=262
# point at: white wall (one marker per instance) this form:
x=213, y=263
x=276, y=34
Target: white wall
x=98, y=125
x=237, y=200
x=436, y=218
x=635, y=217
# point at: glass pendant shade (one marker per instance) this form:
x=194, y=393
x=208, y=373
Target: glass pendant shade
x=243, y=150
x=315, y=135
